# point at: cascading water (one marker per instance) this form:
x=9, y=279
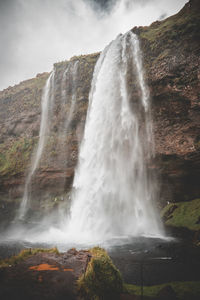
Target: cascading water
x=113, y=192
x=70, y=75
x=66, y=104
x=47, y=102
x=74, y=91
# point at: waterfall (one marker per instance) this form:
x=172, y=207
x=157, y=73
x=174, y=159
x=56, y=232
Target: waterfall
x=66, y=106
x=47, y=102
x=73, y=98
x=71, y=76
x=113, y=191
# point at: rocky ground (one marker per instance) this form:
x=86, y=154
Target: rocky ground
x=48, y=274
x=44, y=276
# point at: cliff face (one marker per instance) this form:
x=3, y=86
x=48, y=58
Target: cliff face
x=20, y=108
x=171, y=59
x=19, y=127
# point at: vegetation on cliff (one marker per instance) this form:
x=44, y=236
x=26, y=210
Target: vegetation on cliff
x=165, y=39
x=182, y=25
x=182, y=290
x=15, y=156
x=16, y=259
x=182, y=214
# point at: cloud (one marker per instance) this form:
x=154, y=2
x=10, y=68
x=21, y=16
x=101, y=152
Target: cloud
x=35, y=34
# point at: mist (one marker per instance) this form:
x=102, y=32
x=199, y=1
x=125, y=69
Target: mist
x=35, y=34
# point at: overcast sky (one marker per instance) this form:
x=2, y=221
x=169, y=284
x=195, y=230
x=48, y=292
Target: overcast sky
x=34, y=34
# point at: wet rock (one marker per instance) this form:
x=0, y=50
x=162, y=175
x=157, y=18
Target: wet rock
x=167, y=293
x=44, y=276
x=168, y=214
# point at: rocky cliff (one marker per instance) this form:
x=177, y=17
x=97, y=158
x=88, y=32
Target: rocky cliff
x=20, y=108
x=171, y=59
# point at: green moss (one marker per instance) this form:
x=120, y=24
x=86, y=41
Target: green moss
x=15, y=155
x=101, y=280
x=162, y=40
x=173, y=27
x=183, y=214
x=183, y=289
x=16, y=259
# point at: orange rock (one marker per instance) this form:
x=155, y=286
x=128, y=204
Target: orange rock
x=44, y=267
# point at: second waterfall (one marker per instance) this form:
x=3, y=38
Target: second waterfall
x=113, y=191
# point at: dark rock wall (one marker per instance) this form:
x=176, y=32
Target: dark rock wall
x=171, y=59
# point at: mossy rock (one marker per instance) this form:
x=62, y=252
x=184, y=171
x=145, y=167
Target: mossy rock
x=182, y=214
x=182, y=24
x=183, y=290
x=102, y=280
x=175, y=37
x=16, y=259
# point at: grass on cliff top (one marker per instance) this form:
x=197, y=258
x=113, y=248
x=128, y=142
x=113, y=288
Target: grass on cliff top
x=183, y=289
x=183, y=214
x=185, y=23
x=102, y=280
x=88, y=58
x=36, y=83
x=16, y=259
x=176, y=24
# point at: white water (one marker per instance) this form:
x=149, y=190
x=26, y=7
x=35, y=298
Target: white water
x=71, y=76
x=68, y=107
x=47, y=114
x=47, y=102
x=112, y=193
x=74, y=73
